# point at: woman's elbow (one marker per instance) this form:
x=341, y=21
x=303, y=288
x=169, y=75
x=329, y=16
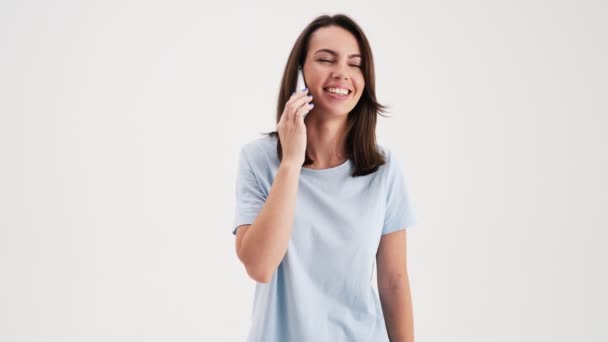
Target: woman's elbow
x=255, y=271
x=260, y=276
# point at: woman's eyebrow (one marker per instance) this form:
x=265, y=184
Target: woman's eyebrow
x=332, y=52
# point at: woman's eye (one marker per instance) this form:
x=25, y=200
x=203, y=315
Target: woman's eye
x=325, y=60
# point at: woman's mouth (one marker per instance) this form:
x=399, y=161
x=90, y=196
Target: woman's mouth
x=337, y=93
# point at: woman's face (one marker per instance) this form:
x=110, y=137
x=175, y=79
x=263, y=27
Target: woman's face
x=333, y=61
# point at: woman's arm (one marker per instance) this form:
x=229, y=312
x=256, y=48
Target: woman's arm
x=394, y=287
x=265, y=242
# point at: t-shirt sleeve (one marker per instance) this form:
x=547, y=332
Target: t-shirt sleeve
x=399, y=210
x=249, y=195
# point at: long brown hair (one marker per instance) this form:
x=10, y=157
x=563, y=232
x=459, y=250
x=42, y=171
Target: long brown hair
x=360, y=132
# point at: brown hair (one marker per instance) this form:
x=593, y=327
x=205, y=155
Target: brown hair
x=361, y=126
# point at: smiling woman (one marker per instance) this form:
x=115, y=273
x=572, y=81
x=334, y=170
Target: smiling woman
x=318, y=202
x=335, y=53
x=338, y=97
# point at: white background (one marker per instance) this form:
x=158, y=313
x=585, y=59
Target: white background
x=121, y=122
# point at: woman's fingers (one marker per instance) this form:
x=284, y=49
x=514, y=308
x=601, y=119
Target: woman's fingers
x=297, y=101
x=296, y=95
x=301, y=113
x=285, y=117
x=302, y=104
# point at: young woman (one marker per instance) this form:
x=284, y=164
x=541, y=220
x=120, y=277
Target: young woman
x=318, y=202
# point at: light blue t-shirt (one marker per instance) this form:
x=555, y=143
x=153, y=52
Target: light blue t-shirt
x=322, y=289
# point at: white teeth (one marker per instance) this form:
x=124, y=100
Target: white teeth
x=338, y=91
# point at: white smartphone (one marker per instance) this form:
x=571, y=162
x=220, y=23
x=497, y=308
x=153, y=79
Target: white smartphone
x=300, y=85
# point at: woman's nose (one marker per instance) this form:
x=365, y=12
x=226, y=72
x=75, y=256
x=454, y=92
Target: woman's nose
x=340, y=71
x=340, y=74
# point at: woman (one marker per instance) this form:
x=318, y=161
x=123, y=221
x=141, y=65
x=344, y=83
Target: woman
x=318, y=202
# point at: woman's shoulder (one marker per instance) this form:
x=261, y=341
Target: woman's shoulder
x=392, y=163
x=384, y=150
x=386, y=153
x=259, y=149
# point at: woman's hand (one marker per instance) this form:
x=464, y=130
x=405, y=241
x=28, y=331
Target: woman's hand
x=291, y=127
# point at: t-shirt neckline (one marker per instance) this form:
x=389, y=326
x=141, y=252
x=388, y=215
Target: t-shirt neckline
x=336, y=168
x=344, y=164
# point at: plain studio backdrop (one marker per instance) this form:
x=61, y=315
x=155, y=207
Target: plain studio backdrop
x=121, y=123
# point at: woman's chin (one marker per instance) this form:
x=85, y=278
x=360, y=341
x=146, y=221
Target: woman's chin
x=332, y=110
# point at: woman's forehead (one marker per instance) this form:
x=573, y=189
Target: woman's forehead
x=333, y=40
